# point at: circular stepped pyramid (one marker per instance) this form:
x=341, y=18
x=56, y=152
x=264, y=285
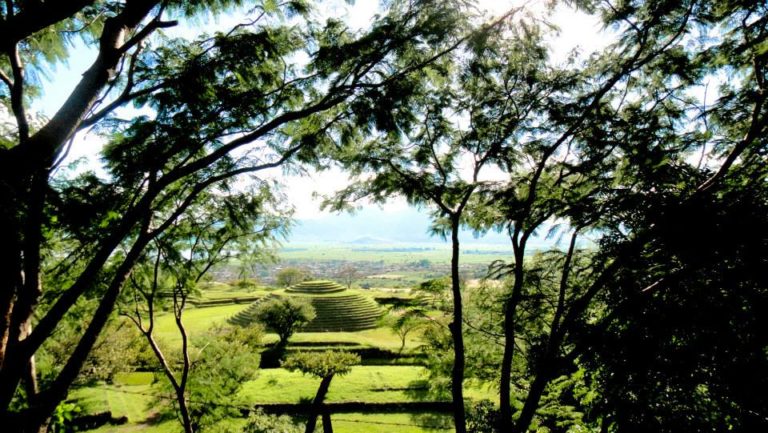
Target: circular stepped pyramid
x=317, y=287
x=337, y=309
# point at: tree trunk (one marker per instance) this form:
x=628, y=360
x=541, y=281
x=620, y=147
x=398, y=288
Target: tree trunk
x=30, y=374
x=544, y=372
x=510, y=312
x=327, y=425
x=317, y=404
x=10, y=256
x=178, y=388
x=457, y=374
x=186, y=420
x=24, y=172
x=40, y=411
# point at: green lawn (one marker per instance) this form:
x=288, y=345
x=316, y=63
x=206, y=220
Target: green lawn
x=135, y=378
x=379, y=337
x=232, y=294
x=196, y=321
x=199, y=320
x=163, y=427
x=392, y=423
x=134, y=402
x=376, y=384
x=364, y=383
x=342, y=423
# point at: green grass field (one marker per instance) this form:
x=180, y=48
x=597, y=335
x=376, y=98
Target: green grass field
x=375, y=384
x=342, y=423
x=395, y=253
x=363, y=383
x=199, y=320
x=132, y=401
x=196, y=321
x=392, y=423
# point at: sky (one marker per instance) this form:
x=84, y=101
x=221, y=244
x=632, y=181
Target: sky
x=577, y=31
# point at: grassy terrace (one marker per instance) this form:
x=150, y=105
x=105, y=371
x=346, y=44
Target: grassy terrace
x=133, y=396
x=337, y=309
x=198, y=320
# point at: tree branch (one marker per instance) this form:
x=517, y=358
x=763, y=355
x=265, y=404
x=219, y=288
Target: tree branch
x=35, y=17
x=17, y=94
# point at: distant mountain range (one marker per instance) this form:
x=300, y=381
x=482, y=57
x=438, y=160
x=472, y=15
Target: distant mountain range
x=373, y=225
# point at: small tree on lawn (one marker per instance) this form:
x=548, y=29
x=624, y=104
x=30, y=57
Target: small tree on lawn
x=289, y=276
x=324, y=365
x=404, y=322
x=284, y=316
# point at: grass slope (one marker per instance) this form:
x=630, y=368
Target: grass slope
x=337, y=309
x=375, y=384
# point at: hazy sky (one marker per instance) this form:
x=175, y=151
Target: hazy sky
x=577, y=30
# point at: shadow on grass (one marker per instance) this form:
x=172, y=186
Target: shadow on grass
x=272, y=356
x=419, y=390
x=432, y=420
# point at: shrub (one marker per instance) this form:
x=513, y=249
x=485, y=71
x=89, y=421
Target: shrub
x=284, y=315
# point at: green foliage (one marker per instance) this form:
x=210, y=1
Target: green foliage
x=438, y=348
x=246, y=283
x=483, y=417
x=437, y=291
x=214, y=110
x=324, y=364
x=224, y=359
x=681, y=219
x=691, y=306
x=63, y=416
x=259, y=422
x=120, y=349
x=404, y=321
x=284, y=315
x=287, y=277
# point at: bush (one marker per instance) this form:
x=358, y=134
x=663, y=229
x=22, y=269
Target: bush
x=483, y=417
x=260, y=422
x=284, y=315
x=245, y=283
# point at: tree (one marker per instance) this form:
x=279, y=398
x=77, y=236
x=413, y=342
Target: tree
x=284, y=315
x=436, y=290
x=406, y=321
x=325, y=366
x=626, y=157
x=428, y=156
x=347, y=275
x=287, y=277
x=691, y=195
x=222, y=106
x=223, y=360
x=119, y=349
x=693, y=309
x=179, y=259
